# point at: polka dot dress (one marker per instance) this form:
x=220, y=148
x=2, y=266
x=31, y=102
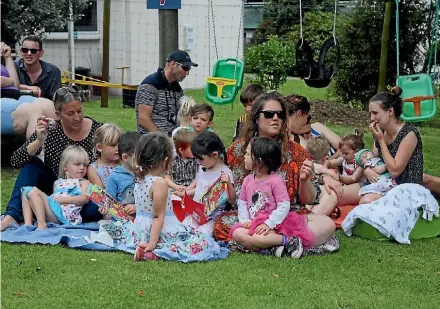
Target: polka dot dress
x=54, y=145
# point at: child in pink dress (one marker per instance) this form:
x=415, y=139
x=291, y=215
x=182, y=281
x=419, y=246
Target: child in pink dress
x=266, y=225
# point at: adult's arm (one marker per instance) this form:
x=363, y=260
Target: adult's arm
x=328, y=134
x=32, y=147
x=406, y=148
x=6, y=81
x=12, y=80
x=145, y=99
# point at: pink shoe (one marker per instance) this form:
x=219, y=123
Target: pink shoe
x=142, y=255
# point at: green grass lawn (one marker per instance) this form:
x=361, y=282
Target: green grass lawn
x=364, y=274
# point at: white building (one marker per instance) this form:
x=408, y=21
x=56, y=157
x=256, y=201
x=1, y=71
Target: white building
x=134, y=39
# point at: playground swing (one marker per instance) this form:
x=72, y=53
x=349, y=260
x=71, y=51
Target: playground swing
x=228, y=74
x=317, y=74
x=418, y=95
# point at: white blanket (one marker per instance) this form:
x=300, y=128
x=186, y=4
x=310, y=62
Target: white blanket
x=396, y=213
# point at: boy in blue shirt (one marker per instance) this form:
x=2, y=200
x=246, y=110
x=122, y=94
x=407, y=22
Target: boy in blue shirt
x=120, y=183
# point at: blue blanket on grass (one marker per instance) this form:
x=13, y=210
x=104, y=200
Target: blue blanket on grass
x=74, y=236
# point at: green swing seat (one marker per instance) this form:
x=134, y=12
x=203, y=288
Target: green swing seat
x=422, y=230
x=418, y=96
x=226, y=80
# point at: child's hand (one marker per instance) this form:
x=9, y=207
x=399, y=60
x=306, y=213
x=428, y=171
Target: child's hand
x=130, y=209
x=225, y=177
x=180, y=188
x=180, y=193
x=262, y=229
x=327, y=164
x=247, y=224
x=307, y=171
x=146, y=247
x=103, y=210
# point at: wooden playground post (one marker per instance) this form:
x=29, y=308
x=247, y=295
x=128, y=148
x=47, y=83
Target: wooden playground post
x=105, y=51
x=168, y=33
x=384, y=48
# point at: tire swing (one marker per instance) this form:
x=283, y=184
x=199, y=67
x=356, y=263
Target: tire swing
x=317, y=74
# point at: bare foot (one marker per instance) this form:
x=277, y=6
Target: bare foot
x=6, y=222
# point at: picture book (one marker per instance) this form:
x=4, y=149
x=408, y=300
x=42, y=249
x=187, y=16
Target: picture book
x=102, y=198
x=188, y=207
x=214, y=196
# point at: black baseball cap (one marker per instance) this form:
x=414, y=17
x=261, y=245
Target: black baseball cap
x=182, y=57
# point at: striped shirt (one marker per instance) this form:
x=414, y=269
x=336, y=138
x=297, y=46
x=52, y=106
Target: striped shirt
x=155, y=91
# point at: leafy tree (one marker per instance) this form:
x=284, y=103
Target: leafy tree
x=360, y=39
x=282, y=16
x=269, y=61
x=24, y=17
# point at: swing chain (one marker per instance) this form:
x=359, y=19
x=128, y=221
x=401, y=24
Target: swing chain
x=334, y=22
x=240, y=33
x=301, y=23
x=397, y=39
x=213, y=27
x=209, y=43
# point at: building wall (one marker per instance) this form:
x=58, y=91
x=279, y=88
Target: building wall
x=134, y=40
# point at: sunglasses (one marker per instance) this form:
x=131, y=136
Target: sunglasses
x=32, y=50
x=184, y=67
x=271, y=114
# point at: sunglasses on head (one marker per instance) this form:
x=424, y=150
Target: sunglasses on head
x=270, y=114
x=32, y=50
x=65, y=90
x=184, y=67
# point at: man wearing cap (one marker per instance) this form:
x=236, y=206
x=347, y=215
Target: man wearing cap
x=157, y=98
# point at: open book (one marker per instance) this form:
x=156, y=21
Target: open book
x=188, y=207
x=214, y=196
x=113, y=207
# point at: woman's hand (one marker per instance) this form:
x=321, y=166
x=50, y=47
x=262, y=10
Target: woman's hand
x=376, y=131
x=333, y=185
x=41, y=129
x=371, y=175
x=262, y=229
x=307, y=170
x=6, y=50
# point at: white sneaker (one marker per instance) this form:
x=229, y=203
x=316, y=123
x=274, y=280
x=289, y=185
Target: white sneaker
x=294, y=247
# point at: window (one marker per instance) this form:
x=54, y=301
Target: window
x=88, y=23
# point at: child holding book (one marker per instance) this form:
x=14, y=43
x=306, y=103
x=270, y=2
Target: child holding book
x=265, y=223
x=184, y=166
x=247, y=98
x=157, y=232
x=120, y=184
x=65, y=204
x=107, y=156
x=208, y=148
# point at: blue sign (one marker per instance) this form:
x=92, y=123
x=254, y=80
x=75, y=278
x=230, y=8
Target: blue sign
x=164, y=4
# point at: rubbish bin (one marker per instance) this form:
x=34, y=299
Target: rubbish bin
x=128, y=97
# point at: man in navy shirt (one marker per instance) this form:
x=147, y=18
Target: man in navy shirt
x=39, y=77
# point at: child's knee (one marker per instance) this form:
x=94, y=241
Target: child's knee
x=33, y=193
x=367, y=199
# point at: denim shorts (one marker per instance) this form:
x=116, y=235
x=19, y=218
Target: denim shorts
x=8, y=106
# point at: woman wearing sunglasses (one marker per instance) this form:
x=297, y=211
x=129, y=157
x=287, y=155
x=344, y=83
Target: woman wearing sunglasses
x=52, y=137
x=268, y=118
x=300, y=126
